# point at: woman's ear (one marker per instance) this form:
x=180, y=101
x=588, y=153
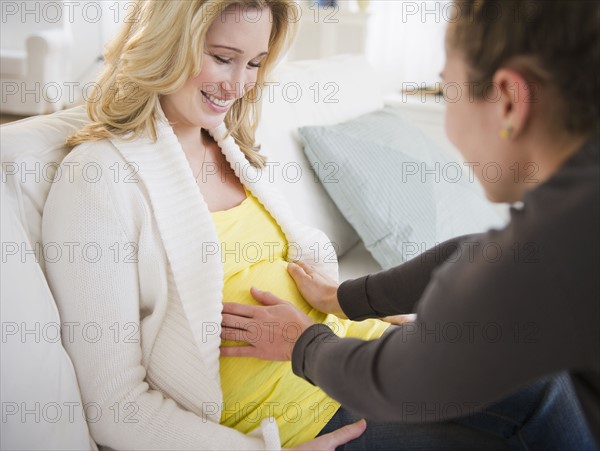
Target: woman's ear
x=514, y=105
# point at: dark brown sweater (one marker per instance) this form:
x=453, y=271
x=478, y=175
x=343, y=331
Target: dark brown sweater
x=494, y=312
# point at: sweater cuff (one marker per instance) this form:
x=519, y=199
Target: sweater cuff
x=354, y=301
x=311, y=337
x=269, y=433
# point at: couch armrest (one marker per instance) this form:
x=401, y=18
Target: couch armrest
x=49, y=41
x=47, y=52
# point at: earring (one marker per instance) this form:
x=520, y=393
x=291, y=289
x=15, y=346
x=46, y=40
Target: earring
x=506, y=132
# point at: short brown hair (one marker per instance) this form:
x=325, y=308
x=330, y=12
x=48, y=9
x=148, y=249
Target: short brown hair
x=559, y=39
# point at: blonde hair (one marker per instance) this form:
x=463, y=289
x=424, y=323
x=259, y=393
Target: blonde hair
x=157, y=52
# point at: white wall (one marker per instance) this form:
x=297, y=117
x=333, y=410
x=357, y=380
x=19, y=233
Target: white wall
x=405, y=41
x=95, y=23
x=402, y=39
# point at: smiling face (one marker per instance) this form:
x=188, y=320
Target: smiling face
x=236, y=44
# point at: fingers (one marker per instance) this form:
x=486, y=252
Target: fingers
x=233, y=308
x=350, y=432
x=240, y=329
x=342, y=435
x=301, y=274
x=239, y=351
x=234, y=334
x=295, y=270
x=399, y=320
x=300, y=265
x=237, y=322
x=265, y=297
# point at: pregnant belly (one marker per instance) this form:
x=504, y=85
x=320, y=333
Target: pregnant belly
x=255, y=389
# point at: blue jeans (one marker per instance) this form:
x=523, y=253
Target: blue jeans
x=545, y=415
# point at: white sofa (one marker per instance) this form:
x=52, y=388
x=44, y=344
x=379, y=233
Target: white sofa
x=37, y=375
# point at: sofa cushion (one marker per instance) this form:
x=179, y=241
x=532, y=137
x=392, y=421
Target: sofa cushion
x=315, y=92
x=14, y=62
x=41, y=403
x=398, y=190
x=31, y=152
x=357, y=262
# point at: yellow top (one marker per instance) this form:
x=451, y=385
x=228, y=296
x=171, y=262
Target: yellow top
x=253, y=250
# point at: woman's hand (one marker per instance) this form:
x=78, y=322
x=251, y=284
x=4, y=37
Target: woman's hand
x=400, y=320
x=317, y=289
x=270, y=331
x=332, y=440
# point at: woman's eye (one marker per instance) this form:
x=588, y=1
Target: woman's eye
x=221, y=60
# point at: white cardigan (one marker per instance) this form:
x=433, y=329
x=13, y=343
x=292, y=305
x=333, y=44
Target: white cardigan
x=130, y=238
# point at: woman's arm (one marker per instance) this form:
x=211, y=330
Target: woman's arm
x=484, y=328
x=396, y=290
x=99, y=301
x=386, y=293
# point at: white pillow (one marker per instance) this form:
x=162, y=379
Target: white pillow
x=31, y=151
x=41, y=403
x=315, y=92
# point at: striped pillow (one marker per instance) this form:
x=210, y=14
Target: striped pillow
x=400, y=192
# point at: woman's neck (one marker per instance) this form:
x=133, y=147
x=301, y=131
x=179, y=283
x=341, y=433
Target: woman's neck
x=189, y=137
x=549, y=154
x=187, y=133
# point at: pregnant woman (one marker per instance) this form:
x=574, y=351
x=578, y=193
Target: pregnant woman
x=183, y=222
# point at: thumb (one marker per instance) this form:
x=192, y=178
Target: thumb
x=265, y=297
x=297, y=272
x=343, y=435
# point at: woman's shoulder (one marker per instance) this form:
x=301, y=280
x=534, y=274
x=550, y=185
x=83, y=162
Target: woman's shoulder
x=94, y=176
x=97, y=167
x=100, y=151
x=100, y=161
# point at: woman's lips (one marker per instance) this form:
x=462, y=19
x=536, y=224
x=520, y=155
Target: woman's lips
x=216, y=104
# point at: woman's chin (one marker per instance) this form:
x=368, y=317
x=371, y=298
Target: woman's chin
x=209, y=121
x=499, y=196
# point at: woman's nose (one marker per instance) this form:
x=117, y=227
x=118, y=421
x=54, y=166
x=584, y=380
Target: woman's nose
x=232, y=89
x=236, y=85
